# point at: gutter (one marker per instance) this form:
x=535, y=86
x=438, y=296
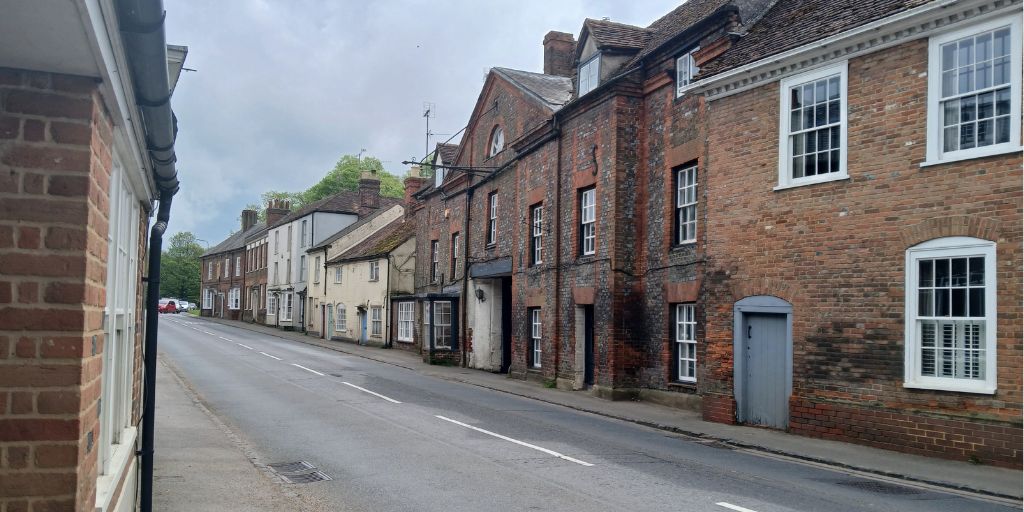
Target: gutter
x=144, y=39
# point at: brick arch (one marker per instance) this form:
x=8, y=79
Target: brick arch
x=742, y=288
x=954, y=225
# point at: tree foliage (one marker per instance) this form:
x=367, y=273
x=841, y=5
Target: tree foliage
x=180, y=268
x=344, y=176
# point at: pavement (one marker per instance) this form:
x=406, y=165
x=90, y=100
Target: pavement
x=942, y=473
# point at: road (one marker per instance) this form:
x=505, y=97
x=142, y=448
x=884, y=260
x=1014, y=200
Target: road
x=392, y=439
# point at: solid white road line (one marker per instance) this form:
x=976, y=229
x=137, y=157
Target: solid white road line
x=392, y=400
x=270, y=356
x=516, y=441
x=737, y=508
x=244, y=346
x=308, y=370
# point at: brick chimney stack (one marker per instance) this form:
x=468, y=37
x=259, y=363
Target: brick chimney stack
x=413, y=182
x=559, y=53
x=277, y=210
x=369, y=190
x=248, y=219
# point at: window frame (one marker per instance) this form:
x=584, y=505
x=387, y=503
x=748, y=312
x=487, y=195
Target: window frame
x=497, y=137
x=302, y=268
x=227, y=267
x=588, y=228
x=376, y=321
x=337, y=274
x=492, y=218
x=316, y=271
x=536, y=335
x=437, y=309
x=691, y=71
x=935, y=155
x=537, y=234
x=234, y=298
x=681, y=206
x=374, y=269
x=941, y=248
x=406, y=313
x=340, y=318
x=679, y=322
x=786, y=179
x=287, y=316
x=595, y=60
x=434, y=261
x=455, y=253
x=302, y=239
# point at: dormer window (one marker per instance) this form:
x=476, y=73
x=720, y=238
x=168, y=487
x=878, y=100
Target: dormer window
x=686, y=69
x=497, y=141
x=588, y=75
x=438, y=172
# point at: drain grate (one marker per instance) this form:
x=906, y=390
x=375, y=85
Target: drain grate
x=300, y=472
x=880, y=487
x=306, y=478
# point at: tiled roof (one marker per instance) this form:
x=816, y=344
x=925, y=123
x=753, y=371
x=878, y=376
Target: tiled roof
x=609, y=34
x=676, y=22
x=235, y=241
x=554, y=91
x=342, y=202
x=802, y=22
x=447, y=152
x=382, y=242
x=348, y=229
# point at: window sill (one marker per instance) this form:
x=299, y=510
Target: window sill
x=816, y=180
x=678, y=384
x=403, y=341
x=106, y=484
x=684, y=245
x=973, y=155
x=980, y=388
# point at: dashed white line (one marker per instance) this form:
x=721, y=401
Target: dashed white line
x=270, y=356
x=244, y=346
x=308, y=370
x=737, y=508
x=225, y=339
x=210, y=333
x=392, y=400
x=516, y=441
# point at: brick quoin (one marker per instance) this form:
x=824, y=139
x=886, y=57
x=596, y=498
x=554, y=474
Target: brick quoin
x=836, y=252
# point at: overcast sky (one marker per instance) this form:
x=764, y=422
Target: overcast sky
x=283, y=88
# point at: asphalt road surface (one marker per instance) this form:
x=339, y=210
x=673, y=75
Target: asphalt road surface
x=392, y=439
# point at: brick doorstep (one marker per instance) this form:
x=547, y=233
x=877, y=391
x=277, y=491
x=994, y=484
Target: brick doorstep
x=951, y=475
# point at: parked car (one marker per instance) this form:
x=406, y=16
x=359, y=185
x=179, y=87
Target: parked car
x=183, y=305
x=168, y=306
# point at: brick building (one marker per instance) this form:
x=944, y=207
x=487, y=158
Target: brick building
x=79, y=99
x=223, y=271
x=254, y=299
x=863, y=235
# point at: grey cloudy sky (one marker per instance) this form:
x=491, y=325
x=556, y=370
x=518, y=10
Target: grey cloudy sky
x=283, y=88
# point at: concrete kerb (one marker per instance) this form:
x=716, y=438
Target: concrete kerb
x=697, y=435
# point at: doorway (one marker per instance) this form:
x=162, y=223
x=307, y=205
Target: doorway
x=763, y=361
x=506, y=324
x=588, y=345
x=330, y=322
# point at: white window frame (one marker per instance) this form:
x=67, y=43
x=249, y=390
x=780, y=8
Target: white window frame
x=455, y=253
x=277, y=272
x=302, y=268
x=497, y=142
x=238, y=266
x=271, y=304
x=234, y=298
x=227, y=267
x=686, y=69
x=277, y=240
x=287, y=307
x=492, y=218
x=406, y=321
x=341, y=322
x=316, y=270
x=208, y=298
x=686, y=205
x=209, y=270
x=935, y=155
x=535, y=337
x=374, y=270
x=376, y=321
x=686, y=337
x=441, y=311
x=786, y=179
x=588, y=76
x=302, y=241
x=588, y=221
x=537, y=234
x=950, y=247
x=337, y=274
x=434, y=247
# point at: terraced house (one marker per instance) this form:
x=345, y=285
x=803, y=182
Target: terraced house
x=223, y=268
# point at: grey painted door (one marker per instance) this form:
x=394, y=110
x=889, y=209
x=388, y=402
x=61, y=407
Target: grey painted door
x=766, y=401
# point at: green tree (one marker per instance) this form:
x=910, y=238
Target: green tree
x=180, y=268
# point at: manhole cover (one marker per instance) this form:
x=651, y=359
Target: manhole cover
x=291, y=467
x=879, y=487
x=306, y=478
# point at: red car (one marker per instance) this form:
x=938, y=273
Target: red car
x=167, y=306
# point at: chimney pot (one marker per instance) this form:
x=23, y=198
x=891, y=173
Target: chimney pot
x=559, y=53
x=369, y=190
x=248, y=219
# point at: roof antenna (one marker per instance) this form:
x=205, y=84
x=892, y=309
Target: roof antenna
x=428, y=112
x=606, y=18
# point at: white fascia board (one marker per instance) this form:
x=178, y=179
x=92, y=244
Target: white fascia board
x=100, y=20
x=884, y=33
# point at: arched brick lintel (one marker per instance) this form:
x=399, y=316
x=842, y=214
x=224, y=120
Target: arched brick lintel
x=954, y=225
x=742, y=288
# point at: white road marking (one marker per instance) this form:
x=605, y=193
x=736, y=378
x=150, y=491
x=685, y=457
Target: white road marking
x=308, y=370
x=392, y=400
x=737, y=508
x=210, y=333
x=270, y=356
x=225, y=339
x=516, y=441
x=244, y=346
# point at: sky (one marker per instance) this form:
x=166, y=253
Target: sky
x=283, y=88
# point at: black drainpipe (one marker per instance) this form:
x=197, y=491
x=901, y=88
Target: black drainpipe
x=142, y=33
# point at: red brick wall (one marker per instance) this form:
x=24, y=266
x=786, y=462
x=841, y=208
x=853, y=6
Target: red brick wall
x=55, y=163
x=836, y=252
